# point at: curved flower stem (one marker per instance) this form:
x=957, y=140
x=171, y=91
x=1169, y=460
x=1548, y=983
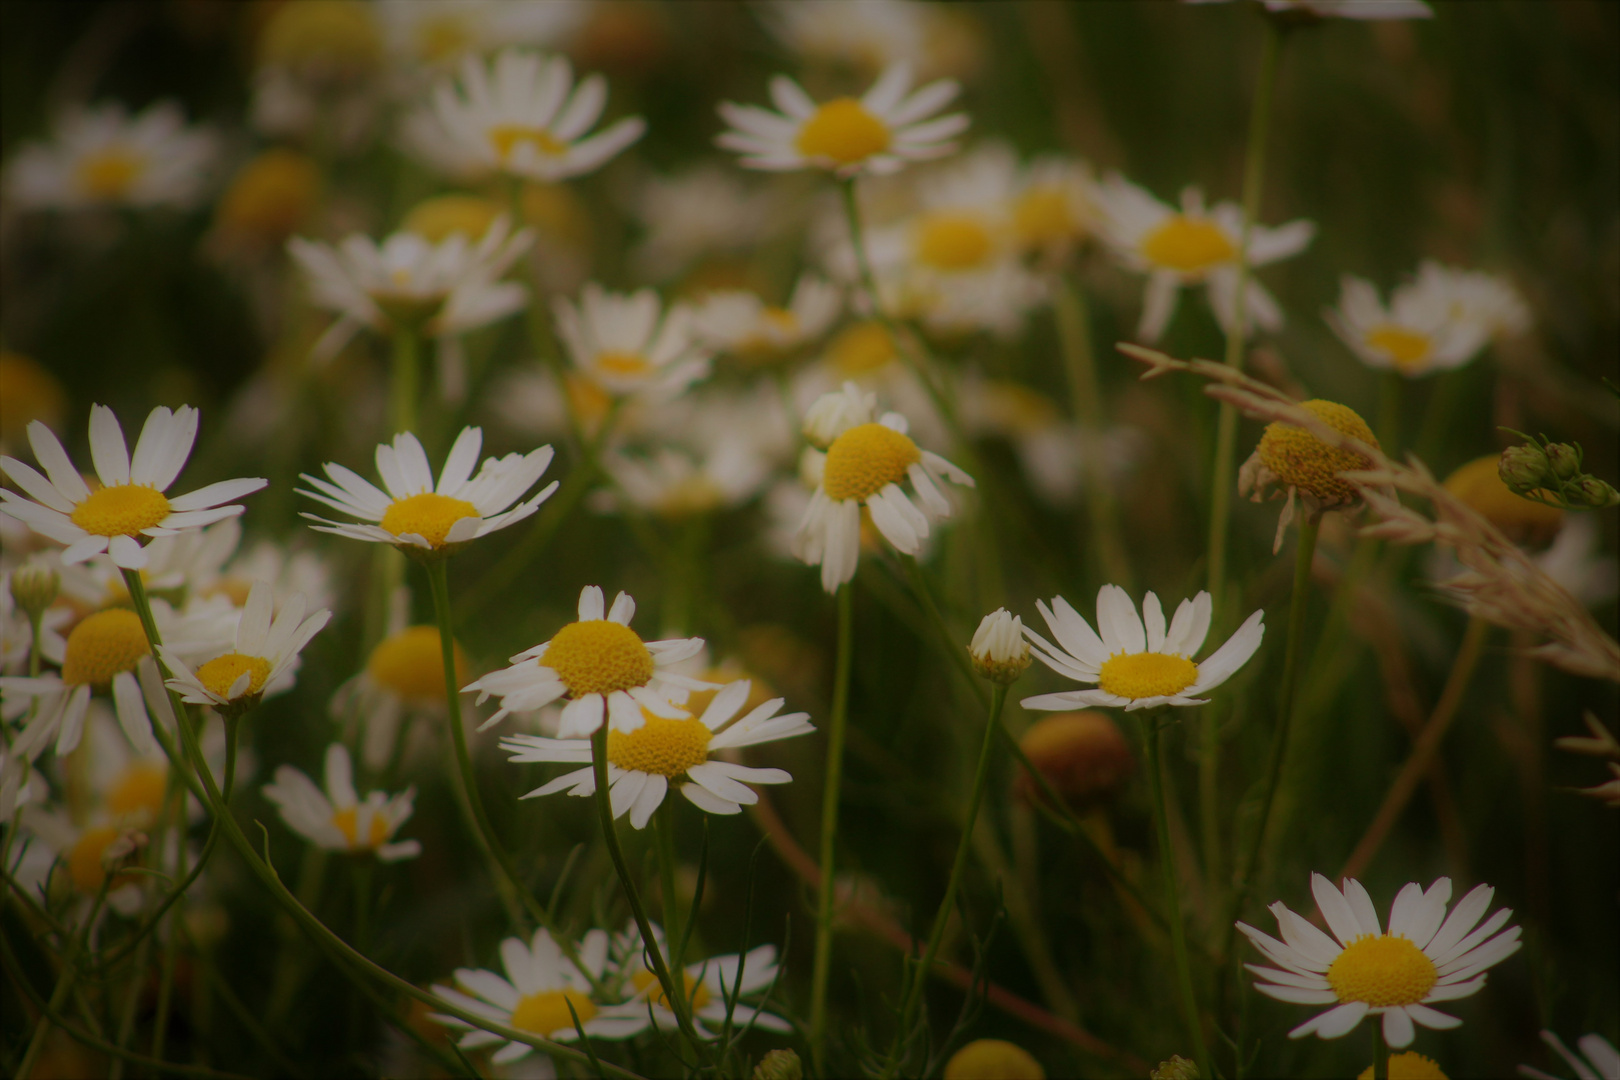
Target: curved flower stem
x=1224, y=479
x=829, y=827
x=649, y=944
x=1150, y=721
x=947, y=903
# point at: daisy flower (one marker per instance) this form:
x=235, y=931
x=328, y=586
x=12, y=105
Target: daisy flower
x=602, y=666
x=130, y=502
x=1602, y=1061
x=643, y=763
x=101, y=156
x=1480, y=297
x=540, y=986
x=675, y=484
x=868, y=35
x=1054, y=208
x=1136, y=661
x=739, y=322
x=519, y=114
x=263, y=660
x=626, y=343
x=1192, y=246
x=409, y=283
x=1303, y=465
x=417, y=516
x=710, y=984
x=1422, y=331
x=336, y=819
x=1425, y=957
x=83, y=851
x=864, y=466
x=877, y=134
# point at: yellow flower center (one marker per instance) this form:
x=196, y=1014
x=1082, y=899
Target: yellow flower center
x=506, y=138
x=665, y=747
x=234, y=589
x=436, y=218
x=1041, y=215
x=844, y=131
x=697, y=994
x=862, y=348
x=1188, y=245
x=598, y=656
x=336, y=38
x=952, y=240
x=1382, y=971
x=993, y=1057
x=443, y=37
x=1407, y=348
x=271, y=196
x=411, y=664
x=547, y=1011
x=347, y=821
x=1480, y=486
x=220, y=673
x=121, y=510
x=428, y=515
x=1147, y=674
x=1303, y=461
x=1408, y=1066
x=590, y=402
x=696, y=494
x=866, y=458
x=109, y=173
x=84, y=860
x=622, y=364
x=103, y=645
x=27, y=392
x=138, y=791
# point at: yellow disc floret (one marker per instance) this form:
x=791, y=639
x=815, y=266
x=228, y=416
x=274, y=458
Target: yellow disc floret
x=1408, y=1066
x=623, y=364
x=270, y=197
x=84, y=859
x=437, y=218
x=598, y=656
x=411, y=664
x=1479, y=484
x=952, y=240
x=861, y=349
x=547, y=1011
x=865, y=459
x=109, y=173
x=1142, y=675
x=506, y=138
x=1383, y=971
x=1188, y=245
x=121, y=510
x=697, y=995
x=103, y=645
x=664, y=747
x=137, y=792
x=843, y=130
x=428, y=515
x=1406, y=349
x=1041, y=215
x=221, y=673
x=993, y=1059
x=1301, y=460
x=347, y=821
x=323, y=38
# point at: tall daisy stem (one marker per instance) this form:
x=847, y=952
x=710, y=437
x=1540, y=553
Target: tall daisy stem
x=947, y=903
x=403, y=380
x=674, y=921
x=1380, y=1067
x=829, y=827
x=1172, y=894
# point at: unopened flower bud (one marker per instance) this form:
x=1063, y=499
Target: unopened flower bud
x=1590, y=491
x=779, y=1065
x=1523, y=468
x=1082, y=755
x=1177, y=1068
x=34, y=586
x=999, y=650
x=835, y=413
x=993, y=1059
x=1563, y=460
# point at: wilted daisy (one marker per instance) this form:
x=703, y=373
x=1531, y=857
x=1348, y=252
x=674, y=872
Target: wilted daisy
x=542, y=993
x=101, y=156
x=627, y=343
x=1601, y=1060
x=741, y=323
x=336, y=819
x=263, y=660
x=519, y=114
x=864, y=466
x=642, y=764
x=1423, y=331
x=877, y=134
x=415, y=515
x=130, y=502
x=602, y=666
x=1425, y=957
x=410, y=284
x=1192, y=246
x=1136, y=661
x=1304, y=466
x=709, y=984
x=1343, y=9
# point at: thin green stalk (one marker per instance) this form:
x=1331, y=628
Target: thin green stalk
x=1172, y=894
x=832, y=785
x=1224, y=478
x=1380, y=1067
x=171, y=947
x=403, y=380
x=649, y=943
x=1390, y=392
x=947, y=903
x=674, y=922
x=64, y=983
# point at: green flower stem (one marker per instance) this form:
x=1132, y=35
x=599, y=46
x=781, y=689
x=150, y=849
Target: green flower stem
x=1391, y=387
x=674, y=922
x=1224, y=479
x=1380, y=1067
x=132, y=999
x=1172, y=897
x=1080, y=364
x=171, y=947
x=947, y=903
x=64, y=983
x=604, y=808
x=354, y=964
x=403, y=382
x=832, y=784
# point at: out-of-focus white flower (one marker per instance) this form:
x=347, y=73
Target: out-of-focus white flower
x=102, y=156
x=437, y=33
x=1439, y=321
x=1601, y=1060
x=519, y=114
x=678, y=484
x=17, y=633
x=869, y=35
x=1477, y=296
x=710, y=984
x=1344, y=9
x=336, y=819
x=705, y=211
x=739, y=322
x=998, y=648
x=1054, y=207
x=1192, y=246
x=878, y=134
x=263, y=660
x=627, y=343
